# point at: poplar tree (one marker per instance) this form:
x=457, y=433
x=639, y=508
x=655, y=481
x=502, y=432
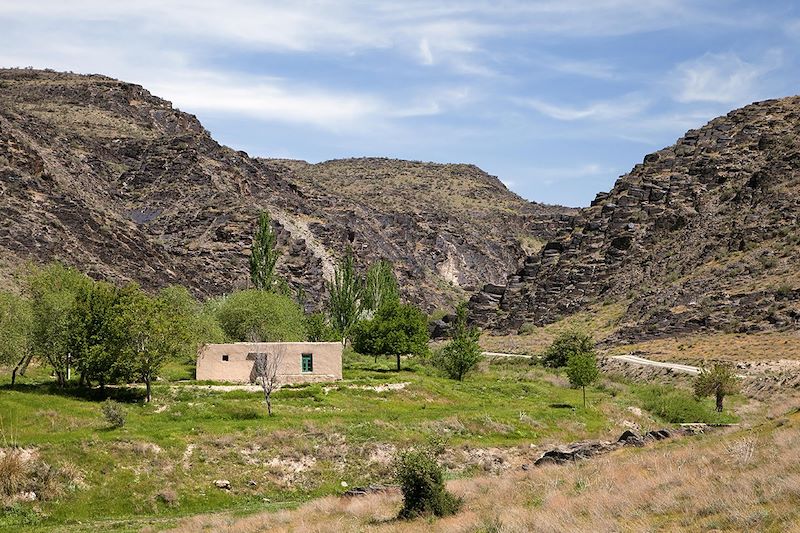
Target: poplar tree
x=264, y=254
x=380, y=287
x=344, y=297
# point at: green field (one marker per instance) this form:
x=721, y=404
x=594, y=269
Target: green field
x=163, y=463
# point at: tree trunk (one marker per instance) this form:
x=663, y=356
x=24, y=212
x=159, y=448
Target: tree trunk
x=584, y=397
x=720, y=396
x=398, y=362
x=147, y=387
x=21, y=366
x=269, y=406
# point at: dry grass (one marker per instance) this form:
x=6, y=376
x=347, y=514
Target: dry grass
x=772, y=346
x=743, y=480
x=600, y=321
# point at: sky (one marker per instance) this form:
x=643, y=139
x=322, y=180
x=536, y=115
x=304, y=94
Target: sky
x=557, y=98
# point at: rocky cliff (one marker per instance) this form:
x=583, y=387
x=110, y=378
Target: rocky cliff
x=102, y=175
x=703, y=235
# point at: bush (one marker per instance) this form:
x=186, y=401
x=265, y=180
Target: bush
x=13, y=472
x=271, y=317
x=461, y=355
x=567, y=343
x=677, y=406
x=421, y=481
x=114, y=413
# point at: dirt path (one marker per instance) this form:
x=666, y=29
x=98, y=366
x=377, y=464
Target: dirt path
x=499, y=354
x=677, y=367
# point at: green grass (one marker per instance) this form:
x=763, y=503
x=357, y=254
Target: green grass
x=334, y=432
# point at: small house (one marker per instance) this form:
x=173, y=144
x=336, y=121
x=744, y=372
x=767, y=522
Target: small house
x=298, y=362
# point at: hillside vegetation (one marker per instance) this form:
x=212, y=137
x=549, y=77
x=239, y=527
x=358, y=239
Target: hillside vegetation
x=162, y=464
x=742, y=481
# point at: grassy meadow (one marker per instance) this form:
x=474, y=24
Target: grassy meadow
x=162, y=464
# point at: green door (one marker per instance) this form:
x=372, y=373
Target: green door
x=307, y=362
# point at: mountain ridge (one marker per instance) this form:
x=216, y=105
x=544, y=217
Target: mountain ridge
x=105, y=176
x=701, y=236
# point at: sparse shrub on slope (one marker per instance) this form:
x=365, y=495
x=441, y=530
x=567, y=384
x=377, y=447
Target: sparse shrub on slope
x=113, y=413
x=421, y=481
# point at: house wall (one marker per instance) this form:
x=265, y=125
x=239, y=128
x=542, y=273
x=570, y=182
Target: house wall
x=327, y=359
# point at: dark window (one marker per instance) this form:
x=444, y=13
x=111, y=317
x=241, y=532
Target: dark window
x=307, y=362
x=225, y=357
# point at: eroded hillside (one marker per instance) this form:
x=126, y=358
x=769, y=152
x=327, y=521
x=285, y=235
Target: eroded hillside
x=104, y=176
x=702, y=236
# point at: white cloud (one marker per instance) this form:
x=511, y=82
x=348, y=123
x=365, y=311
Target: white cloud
x=270, y=99
x=425, y=52
x=722, y=78
x=624, y=107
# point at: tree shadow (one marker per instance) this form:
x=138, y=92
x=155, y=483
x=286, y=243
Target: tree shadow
x=561, y=406
x=118, y=393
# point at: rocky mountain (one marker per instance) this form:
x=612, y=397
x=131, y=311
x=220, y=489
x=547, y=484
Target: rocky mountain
x=102, y=175
x=703, y=235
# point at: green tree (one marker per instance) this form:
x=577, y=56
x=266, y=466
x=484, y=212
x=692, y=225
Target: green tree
x=92, y=334
x=272, y=317
x=16, y=340
x=264, y=255
x=396, y=329
x=150, y=334
x=53, y=290
x=200, y=326
x=462, y=354
x=719, y=382
x=380, y=287
x=567, y=343
x=344, y=297
x=582, y=370
x=318, y=328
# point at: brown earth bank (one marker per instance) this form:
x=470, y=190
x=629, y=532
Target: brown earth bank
x=702, y=236
x=104, y=176
x=742, y=479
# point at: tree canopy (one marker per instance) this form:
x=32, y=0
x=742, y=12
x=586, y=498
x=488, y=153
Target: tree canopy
x=396, y=329
x=582, y=370
x=272, y=317
x=566, y=344
x=719, y=381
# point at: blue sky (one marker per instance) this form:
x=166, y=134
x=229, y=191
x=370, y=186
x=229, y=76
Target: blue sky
x=555, y=97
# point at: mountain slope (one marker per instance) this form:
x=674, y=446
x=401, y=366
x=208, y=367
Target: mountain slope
x=103, y=175
x=703, y=235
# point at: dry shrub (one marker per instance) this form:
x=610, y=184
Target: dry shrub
x=168, y=497
x=23, y=472
x=13, y=472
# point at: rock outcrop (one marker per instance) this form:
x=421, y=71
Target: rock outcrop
x=104, y=176
x=703, y=235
